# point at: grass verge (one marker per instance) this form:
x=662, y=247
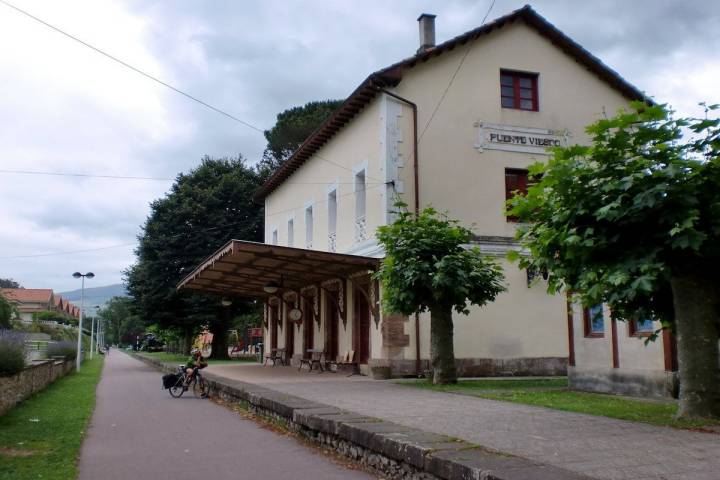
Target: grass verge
x=553, y=393
x=41, y=437
x=178, y=358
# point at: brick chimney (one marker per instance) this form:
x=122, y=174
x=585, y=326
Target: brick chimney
x=426, y=22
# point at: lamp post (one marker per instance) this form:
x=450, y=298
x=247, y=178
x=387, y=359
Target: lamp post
x=82, y=307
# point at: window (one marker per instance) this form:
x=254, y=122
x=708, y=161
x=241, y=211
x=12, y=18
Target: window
x=594, y=321
x=516, y=180
x=308, y=226
x=291, y=232
x=360, y=222
x=519, y=90
x=275, y=236
x=332, y=221
x=641, y=328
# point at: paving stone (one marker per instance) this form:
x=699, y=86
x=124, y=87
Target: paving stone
x=600, y=447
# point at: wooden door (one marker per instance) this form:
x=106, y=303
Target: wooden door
x=308, y=328
x=361, y=326
x=331, y=325
x=289, y=340
x=273, y=326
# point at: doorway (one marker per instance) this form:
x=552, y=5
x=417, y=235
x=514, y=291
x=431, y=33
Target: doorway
x=331, y=325
x=273, y=326
x=308, y=328
x=289, y=339
x=361, y=325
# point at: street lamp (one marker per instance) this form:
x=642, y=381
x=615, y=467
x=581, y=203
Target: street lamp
x=82, y=307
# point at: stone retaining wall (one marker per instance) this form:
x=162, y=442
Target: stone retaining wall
x=395, y=451
x=36, y=377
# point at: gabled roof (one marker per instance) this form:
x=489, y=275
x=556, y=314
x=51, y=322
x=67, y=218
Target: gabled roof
x=392, y=75
x=28, y=295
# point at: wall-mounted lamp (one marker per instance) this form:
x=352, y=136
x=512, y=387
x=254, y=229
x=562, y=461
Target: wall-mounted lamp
x=225, y=302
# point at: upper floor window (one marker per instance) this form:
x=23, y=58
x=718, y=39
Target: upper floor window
x=275, y=236
x=641, y=328
x=516, y=180
x=519, y=90
x=291, y=232
x=309, y=226
x=594, y=321
x=360, y=200
x=332, y=220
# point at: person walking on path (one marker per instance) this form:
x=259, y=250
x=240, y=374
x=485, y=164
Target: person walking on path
x=138, y=431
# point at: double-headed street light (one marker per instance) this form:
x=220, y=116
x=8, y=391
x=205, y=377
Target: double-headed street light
x=82, y=307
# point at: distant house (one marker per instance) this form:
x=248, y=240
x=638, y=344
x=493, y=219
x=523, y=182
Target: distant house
x=30, y=300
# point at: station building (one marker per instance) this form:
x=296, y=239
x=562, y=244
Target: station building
x=454, y=126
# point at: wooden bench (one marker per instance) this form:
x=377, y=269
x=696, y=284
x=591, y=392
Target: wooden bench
x=276, y=355
x=317, y=357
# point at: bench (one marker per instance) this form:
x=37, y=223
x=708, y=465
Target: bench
x=316, y=357
x=276, y=355
x=348, y=360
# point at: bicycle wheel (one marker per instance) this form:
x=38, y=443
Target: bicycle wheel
x=178, y=389
x=200, y=388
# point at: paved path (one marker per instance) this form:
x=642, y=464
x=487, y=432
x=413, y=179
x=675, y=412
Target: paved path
x=600, y=447
x=138, y=432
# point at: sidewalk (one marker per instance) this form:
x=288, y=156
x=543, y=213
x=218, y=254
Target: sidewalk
x=138, y=431
x=599, y=447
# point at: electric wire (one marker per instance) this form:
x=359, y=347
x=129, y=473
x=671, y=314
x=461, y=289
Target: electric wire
x=452, y=78
x=151, y=77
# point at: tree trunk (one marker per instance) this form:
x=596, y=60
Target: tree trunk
x=696, y=324
x=442, y=354
x=219, y=329
x=187, y=341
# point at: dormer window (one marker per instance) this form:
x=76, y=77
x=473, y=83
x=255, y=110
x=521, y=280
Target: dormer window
x=519, y=90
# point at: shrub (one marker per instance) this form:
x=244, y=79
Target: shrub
x=12, y=352
x=62, y=349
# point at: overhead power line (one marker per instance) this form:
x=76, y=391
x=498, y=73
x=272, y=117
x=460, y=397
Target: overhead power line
x=127, y=65
x=84, y=175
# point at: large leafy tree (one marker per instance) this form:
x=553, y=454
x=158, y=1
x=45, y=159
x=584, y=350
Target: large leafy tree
x=204, y=209
x=633, y=220
x=7, y=312
x=291, y=129
x=428, y=268
x=9, y=283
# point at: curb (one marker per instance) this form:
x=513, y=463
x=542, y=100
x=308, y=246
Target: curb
x=394, y=450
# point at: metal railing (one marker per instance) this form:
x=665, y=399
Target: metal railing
x=360, y=229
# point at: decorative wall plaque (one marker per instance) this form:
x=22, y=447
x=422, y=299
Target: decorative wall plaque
x=510, y=138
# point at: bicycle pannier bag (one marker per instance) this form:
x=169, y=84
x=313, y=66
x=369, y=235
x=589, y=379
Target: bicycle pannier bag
x=169, y=380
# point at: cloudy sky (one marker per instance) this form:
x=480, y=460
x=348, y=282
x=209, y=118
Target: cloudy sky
x=66, y=109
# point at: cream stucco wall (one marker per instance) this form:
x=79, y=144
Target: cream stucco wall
x=453, y=176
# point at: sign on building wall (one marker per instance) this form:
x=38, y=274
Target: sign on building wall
x=494, y=136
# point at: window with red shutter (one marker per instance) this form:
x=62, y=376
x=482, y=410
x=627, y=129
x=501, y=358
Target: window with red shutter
x=516, y=180
x=519, y=90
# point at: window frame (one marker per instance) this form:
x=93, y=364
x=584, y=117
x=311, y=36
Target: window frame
x=587, y=321
x=633, y=330
x=517, y=98
x=512, y=218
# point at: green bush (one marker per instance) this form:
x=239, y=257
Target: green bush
x=62, y=349
x=12, y=352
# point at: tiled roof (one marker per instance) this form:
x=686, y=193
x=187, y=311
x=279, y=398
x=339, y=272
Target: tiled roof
x=28, y=295
x=392, y=75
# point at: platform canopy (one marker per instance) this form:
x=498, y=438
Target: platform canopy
x=246, y=269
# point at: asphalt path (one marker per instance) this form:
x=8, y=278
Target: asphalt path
x=138, y=431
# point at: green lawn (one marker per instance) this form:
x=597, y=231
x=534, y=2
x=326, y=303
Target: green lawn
x=553, y=393
x=41, y=437
x=178, y=358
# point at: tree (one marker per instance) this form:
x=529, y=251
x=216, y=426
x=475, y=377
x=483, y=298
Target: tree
x=9, y=283
x=426, y=268
x=115, y=313
x=292, y=128
x=7, y=312
x=205, y=209
x=633, y=220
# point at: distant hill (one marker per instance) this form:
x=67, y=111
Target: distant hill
x=95, y=296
